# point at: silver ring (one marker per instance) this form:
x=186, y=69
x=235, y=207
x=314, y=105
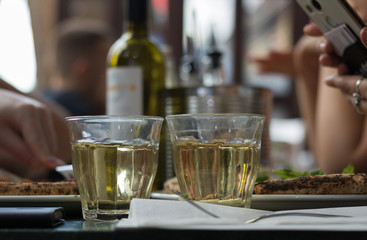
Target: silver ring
x=357, y=84
x=357, y=96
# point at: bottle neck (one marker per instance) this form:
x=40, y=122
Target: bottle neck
x=138, y=29
x=137, y=18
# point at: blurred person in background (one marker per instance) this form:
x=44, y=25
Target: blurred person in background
x=34, y=137
x=301, y=65
x=336, y=129
x=79, y=84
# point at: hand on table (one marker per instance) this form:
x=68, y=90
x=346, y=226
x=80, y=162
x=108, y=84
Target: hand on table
x=27, y=133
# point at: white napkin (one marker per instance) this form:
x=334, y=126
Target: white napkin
x=168, y=214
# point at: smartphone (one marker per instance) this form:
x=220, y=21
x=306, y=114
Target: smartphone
x=341, y=25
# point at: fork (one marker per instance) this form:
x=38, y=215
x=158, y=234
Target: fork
x=304, y=214
x=194, y=204
x=270, y=215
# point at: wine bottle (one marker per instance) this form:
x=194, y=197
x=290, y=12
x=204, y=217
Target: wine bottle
x=136, y=68
x=136, y=73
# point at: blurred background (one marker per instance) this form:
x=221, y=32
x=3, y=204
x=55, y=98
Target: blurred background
x=237, y=29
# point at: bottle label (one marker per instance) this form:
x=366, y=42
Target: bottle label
x=124, y=91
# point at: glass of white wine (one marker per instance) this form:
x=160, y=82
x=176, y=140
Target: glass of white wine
x=115, y=159
x=216, y=156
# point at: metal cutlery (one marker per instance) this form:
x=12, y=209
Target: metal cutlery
x=303, y=214
x=270, y=215
x=194, y=204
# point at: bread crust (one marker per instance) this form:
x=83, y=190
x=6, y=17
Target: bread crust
x=39, y=188
x=318, y=184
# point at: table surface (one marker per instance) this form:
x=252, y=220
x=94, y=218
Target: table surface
x=80, y=229
x=76, y=228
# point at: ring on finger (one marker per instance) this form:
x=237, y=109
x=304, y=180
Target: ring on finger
x=357, y=96
x=358, y=83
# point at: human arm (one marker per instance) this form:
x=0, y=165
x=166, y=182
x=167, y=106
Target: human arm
x=306, y=64
x=340, y=132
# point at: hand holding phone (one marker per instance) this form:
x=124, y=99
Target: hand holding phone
x=341, y=26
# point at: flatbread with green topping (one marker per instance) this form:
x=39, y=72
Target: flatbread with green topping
x=39, y=188
x=317, y=184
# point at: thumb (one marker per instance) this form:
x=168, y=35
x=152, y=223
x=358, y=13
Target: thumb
x=363, y=35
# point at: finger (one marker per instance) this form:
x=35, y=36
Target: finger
x=49, y=131
x=363, y=89
x=50, y=137
x=329, y=60
x=312, y=30
x=34, y=135
x=326, y=47
x=15, y=165
x=362, y=106
x=16, y=146
x=38, y=145
x=343, y=69
x=347, y=84
x=363, y=36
